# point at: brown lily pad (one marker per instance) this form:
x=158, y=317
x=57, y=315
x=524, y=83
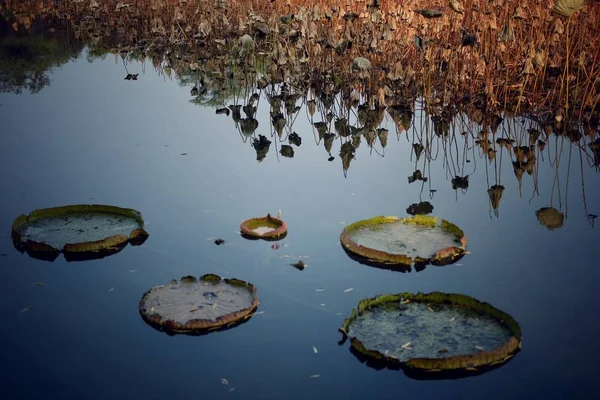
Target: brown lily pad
x=268, y=228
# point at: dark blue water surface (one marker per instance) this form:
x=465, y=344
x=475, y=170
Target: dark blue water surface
x=93, y=137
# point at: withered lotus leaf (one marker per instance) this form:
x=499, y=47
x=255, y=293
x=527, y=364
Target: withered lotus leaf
x=264, y=228
x=198, y=306
x=550, y=217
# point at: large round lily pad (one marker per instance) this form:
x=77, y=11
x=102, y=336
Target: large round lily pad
x=81, y=232
x=198, y=306
x=405, y=241
x=269, y=228
x=436, y=332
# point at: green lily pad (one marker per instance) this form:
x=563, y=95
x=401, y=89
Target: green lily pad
x=434, y=332
x=406, y=241
x=198, y=306
x=81, y=232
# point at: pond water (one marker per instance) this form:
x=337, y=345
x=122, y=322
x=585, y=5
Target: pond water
x=72, y=330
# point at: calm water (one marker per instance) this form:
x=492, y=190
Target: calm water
x=93, y=137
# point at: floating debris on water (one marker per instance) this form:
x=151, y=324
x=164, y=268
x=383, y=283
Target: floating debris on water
x=299, y=265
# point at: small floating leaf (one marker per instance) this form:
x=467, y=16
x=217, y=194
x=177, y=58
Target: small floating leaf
x=348, y=290
x=299, y=265
x=25, y=309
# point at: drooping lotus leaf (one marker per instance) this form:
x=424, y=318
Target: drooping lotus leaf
x=80, y=232
x=550, y=217
x=421, y=208
x=568, y=7
x=405, y=241
x=199, y=306
x=435, y=332
x=430, y=13
x=268, y=228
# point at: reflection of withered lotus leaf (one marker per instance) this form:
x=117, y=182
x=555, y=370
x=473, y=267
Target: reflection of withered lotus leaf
x=199, y=306
x=264, y=228
x=550, y=217
x=435, y=332
x=81, y=232
x=495, y=194
x=261, y=145
x=421, y=208
x=391, y=240
x=568, y=7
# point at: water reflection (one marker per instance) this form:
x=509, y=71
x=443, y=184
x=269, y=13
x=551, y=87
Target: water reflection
x=27, y=56
x=345, y=111
x=471, y=166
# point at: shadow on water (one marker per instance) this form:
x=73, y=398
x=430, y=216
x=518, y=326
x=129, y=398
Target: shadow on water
x=424, y=375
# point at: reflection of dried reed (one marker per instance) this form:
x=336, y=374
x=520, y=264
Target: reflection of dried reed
x=499, y=53
x=354, y=66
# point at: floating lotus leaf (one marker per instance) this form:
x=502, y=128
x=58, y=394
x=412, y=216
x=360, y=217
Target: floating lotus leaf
x=392, y=240
x=199, y=306
x=269, y=228
x=81, y=232
x=435, y=332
